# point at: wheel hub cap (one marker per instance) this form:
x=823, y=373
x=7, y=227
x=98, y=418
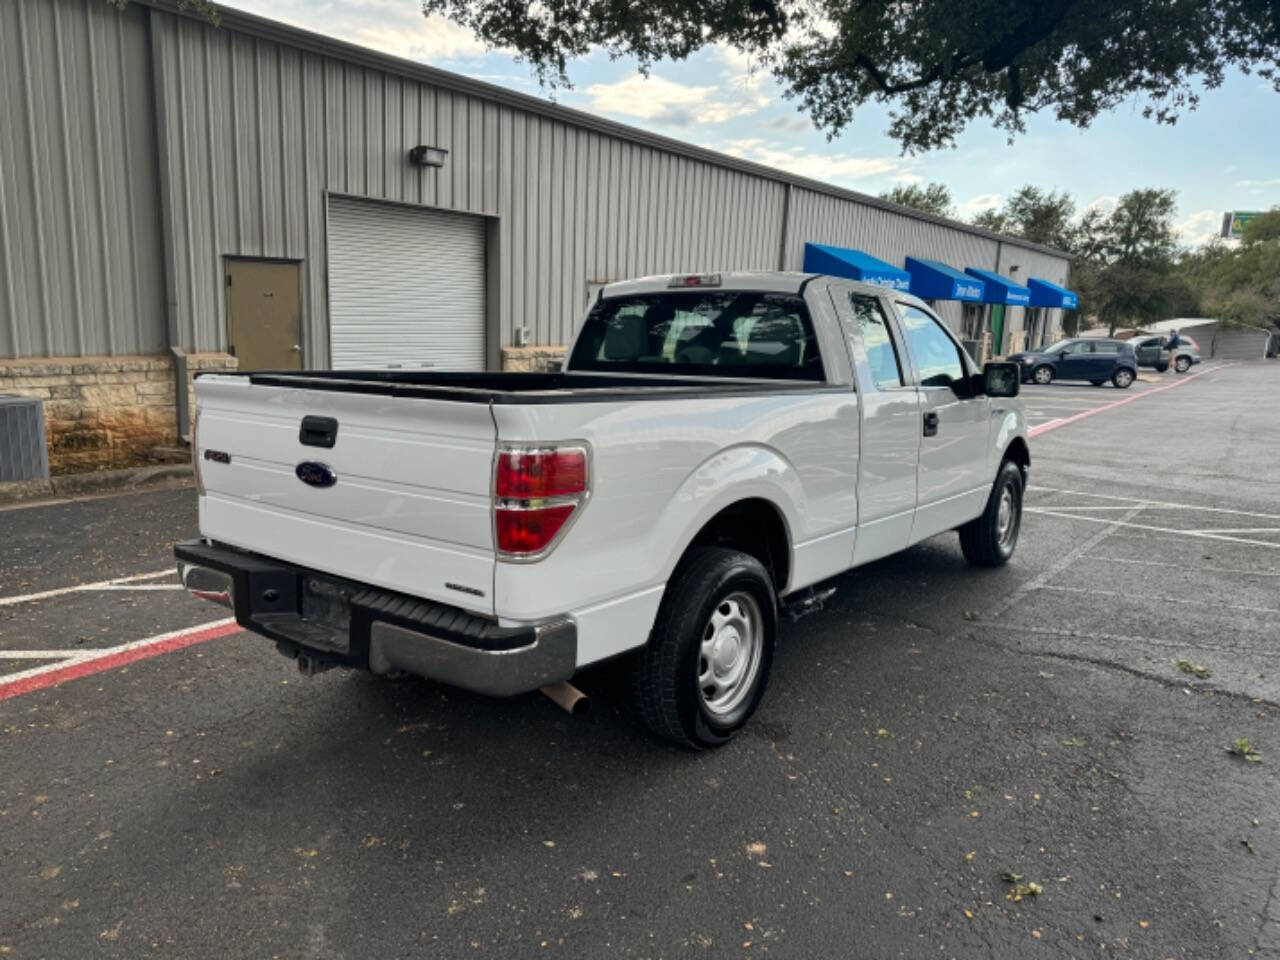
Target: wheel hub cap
x=730, y=653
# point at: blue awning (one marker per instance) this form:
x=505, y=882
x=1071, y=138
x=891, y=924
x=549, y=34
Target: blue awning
x=1046, y=294
x=932, y=280
x=1000, y=289
x=853, y=265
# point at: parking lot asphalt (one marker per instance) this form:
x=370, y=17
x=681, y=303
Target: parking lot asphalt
x=935, y=730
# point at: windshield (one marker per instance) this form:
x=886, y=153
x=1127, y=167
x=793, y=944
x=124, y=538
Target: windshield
x=706, y=333
x=1054, y=348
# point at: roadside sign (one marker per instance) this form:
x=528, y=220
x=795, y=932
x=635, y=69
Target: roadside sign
x=1233, y=222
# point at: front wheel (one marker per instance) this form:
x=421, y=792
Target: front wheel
x=1042, y=375
x=1122, y=378
x=988, y=540
x=705, y=668
x=1182, y=364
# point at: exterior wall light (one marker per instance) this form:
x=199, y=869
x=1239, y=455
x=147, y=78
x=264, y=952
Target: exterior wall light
x=423, y=156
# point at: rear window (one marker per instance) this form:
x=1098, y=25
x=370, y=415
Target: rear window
x=706, y=333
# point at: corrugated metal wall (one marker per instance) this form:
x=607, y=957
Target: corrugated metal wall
x=80, y=267
x=261, y=131
x=258, y=132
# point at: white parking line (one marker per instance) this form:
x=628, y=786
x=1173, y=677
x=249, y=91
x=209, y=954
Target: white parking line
x=1146, y=596
x=1182, y=532
x=1234, y=571
x=113, y=584
x=40, y=654
x=1161, y=504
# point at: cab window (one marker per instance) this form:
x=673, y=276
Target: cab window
x=936, y=355
x=882, y=355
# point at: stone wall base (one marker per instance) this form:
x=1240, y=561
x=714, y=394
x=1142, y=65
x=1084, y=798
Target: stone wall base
x=530, y=359
x=105, y=412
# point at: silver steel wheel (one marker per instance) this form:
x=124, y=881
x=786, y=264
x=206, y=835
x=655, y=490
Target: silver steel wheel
x=730, y=654
x=1123, y=378
x=1006, y=517
x=1042, y=375
x=1182, y=364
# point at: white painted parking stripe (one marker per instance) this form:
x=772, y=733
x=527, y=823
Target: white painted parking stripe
x=1146, y=596
x=1234, y=571
x=1161, y=504
x=40, y=654
x=82, y=587
x=139, y=586
x=1147, y=526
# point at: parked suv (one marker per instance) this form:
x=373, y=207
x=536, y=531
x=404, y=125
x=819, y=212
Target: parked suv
x=1153, y=351
x=1088, y=358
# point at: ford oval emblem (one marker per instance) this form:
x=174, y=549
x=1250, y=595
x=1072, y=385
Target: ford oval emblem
x=316, y=474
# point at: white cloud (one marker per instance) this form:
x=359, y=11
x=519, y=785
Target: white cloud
x=818, y=166
x=389, y=26
x=1199, y=227
x=1105, y=204
x=977, y=203
x=1256, y=185
x=665, y=102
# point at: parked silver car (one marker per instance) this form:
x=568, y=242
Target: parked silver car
x=1153, y=351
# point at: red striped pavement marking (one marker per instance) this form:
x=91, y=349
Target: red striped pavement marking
x=1055, y=424
x=84, y=664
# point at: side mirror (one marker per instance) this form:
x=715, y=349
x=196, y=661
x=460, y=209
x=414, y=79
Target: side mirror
x=1062, y=354
x=1001, y=379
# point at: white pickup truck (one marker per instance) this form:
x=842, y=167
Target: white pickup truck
x=715, y=446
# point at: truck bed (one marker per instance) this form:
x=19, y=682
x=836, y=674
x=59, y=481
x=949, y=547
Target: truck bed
x=524, y=387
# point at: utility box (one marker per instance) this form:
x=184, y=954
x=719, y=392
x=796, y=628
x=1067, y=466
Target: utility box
x=23, y=454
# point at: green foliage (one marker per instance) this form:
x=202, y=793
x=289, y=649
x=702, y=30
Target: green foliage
x=934, y=198
x=1041, y=216
x=937, y=65
x=1240, y=283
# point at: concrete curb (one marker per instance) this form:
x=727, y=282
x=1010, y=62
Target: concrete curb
x=98, y=481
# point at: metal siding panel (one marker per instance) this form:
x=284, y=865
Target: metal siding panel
x=407, y=286
x=79, y=255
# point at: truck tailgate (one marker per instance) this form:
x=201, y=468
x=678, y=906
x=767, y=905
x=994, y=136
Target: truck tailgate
x=410, y=508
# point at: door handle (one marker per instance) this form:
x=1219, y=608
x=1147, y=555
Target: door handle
x=931, y=424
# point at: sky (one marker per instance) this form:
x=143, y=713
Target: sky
x=1221, y=157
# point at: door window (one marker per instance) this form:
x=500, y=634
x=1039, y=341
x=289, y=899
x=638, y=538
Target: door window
x=882, y=355
x=936, y=355
x=1106, y=346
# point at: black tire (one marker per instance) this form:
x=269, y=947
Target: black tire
x=1042, y=375
x=665, y=683
x=981, y=539
x=1182, y=364
x=1097, y=383
x=1123, y=378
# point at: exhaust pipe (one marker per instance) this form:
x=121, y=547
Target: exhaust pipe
x=569, y=698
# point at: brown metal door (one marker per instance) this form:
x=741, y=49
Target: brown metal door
x=264, y=314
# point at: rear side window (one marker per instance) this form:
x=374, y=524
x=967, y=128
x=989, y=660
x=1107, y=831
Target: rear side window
x=1106, y=346
x=708, y=333
x=886, y=368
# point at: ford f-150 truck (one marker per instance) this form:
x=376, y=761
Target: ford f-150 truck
x=715, y=446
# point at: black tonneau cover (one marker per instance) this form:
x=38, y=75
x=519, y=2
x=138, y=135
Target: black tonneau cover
x=523, y=387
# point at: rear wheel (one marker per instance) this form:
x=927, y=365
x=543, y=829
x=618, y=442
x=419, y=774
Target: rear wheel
x=1182, y=364
x=989, y=540
x=1123, y=378
x=1042, y=375
x=706, y=666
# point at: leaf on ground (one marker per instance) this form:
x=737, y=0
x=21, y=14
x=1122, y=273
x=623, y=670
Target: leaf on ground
x=1186, y=666
x=1244, y=748
x=883, y=734
x=1008, y=876
x=972, y=615
x=756, y=849
x=1248, y=845
x=1073, y=742
x=1020, y=889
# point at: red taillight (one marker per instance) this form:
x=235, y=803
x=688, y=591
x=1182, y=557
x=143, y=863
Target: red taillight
x=535, y=493
x=536, y=474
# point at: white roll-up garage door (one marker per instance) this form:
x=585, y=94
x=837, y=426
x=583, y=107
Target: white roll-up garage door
x=406, y=287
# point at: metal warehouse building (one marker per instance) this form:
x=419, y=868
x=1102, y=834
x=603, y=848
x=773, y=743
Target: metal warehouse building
x=175, y=196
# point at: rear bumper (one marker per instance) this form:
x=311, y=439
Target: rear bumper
x=337, y=622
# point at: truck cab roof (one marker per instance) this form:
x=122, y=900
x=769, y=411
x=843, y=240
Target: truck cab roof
x=770, y=281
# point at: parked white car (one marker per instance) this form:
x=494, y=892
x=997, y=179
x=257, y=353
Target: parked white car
x=716, y=446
